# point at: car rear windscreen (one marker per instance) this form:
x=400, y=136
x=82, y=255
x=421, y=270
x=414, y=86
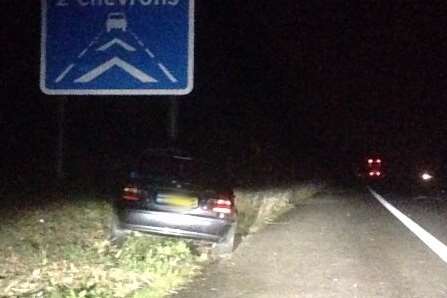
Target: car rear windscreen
x=168, y=166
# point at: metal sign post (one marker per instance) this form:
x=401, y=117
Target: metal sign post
x=60, y=169
x=173, y=119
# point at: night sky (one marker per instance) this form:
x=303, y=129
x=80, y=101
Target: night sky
x=322, y=80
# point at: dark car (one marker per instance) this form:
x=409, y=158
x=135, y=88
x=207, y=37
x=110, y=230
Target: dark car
x=374, y=168
x=169, y=193
x=370, y=168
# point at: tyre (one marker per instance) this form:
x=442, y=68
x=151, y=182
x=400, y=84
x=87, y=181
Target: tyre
x=226, y=245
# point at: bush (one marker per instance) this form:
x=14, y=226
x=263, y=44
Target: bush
x=257, y=207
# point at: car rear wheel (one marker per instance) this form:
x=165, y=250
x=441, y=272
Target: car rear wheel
x=226, y=245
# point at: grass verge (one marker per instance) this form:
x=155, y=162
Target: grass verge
x=259, y=207
x=61, y=250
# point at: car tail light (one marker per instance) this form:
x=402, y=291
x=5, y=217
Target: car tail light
x=132, y=193
x=224, y=203
x=378, y=173
x=371, y=174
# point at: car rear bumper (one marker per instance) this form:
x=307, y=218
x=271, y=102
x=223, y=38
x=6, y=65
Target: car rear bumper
x=173, y=224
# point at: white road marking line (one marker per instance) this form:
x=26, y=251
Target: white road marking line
x=119, y=42
x=130, y=69
x=136, y=37
x=90, y=44
x=149, y=53
x=141, y=43
x=70, y=67
x=98, y=36
x=167, y=73
x=434, y=244
x=64, y=73
x=82, y=53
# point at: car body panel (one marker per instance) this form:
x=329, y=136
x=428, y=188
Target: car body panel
x=175, y=224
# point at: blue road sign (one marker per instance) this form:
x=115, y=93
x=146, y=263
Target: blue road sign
x=117, y=47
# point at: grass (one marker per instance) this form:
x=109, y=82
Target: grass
x=259, y=207
x=61, y=250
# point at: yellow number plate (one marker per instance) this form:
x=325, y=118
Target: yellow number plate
x=178, y=201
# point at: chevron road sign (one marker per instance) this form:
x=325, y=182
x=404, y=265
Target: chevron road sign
x=117, y=47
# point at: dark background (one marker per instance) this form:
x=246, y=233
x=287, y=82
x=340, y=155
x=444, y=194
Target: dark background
x=304, y=87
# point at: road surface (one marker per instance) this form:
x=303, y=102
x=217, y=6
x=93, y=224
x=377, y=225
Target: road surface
x=337, y=245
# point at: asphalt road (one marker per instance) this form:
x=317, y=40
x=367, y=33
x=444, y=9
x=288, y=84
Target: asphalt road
x=428, y=209
x=337, y=245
